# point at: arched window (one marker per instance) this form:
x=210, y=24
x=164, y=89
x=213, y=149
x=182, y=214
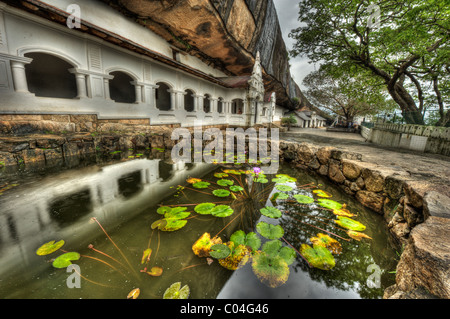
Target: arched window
x=49, y=76
x=189, y=101
x=163, y=101
x=237, y=106
x=120, y=88
x=220, y=105
x=207, y=103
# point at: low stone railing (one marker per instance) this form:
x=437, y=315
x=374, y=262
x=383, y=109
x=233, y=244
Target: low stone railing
x=420, y=138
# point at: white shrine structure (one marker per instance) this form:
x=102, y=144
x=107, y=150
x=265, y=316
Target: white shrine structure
x=47, y=67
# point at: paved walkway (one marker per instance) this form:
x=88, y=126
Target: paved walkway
x=432, y=168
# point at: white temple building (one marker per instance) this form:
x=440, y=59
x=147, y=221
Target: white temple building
x=47, y=67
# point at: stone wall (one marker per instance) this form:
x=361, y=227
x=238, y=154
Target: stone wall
x=417, y=214
x=420, y=138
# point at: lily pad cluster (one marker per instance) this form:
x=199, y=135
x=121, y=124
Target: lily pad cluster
x=174, y=218
x=62, y=261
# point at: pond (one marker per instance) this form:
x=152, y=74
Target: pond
x=133, y=222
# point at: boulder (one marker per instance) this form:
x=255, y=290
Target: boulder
x=324, y=154
x=426, y=259
x=350, y=169
x=371, y=200
x=436, y=204
x=373, y=180
x=334, y=171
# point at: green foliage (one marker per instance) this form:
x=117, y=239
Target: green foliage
x=176, y=292
x=49, y=248
x=271, y=212
x=65, y=260
x=270, y=231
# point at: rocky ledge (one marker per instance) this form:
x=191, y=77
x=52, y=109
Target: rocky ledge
x=417, y=213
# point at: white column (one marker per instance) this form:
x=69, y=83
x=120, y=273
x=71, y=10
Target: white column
x=173, y=100
x=19, y=76
x=80, y=79
x=106, y=88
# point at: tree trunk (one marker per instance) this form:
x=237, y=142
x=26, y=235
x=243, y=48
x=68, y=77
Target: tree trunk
x=410, y=112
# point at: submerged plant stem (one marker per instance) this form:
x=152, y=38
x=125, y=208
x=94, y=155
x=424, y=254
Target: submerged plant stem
x=120, y=251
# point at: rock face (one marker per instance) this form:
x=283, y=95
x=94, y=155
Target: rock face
x=426, y=259
x=225, y=33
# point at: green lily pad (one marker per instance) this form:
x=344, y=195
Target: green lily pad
x=279, y=196
x=275, y=248
x=328, y=203
x=49, y=248
x=271, y=271
x=220, y=175
x=270, y=231
x=322, y=193
x=236, y=188
x=222, y=211
x=349, y=223
x=65, y=260
x=284, y=188
x=201, y=185
x=318, y=256
x=177, y=213
x=287, y=177
x=220, y=251
x=251, y=239
x=221, y=193
x=160, y=224
x=238, y=257
x=176, y=292
x=271, y=212
x=225, y=182
x=262, y=180
x=174, y=224
x=204, y=208
x=303, y=199
x=163, y=210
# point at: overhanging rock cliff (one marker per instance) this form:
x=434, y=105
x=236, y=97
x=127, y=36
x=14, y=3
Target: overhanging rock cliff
x=226, y=34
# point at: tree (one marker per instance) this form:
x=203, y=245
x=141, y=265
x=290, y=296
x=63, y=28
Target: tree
x=345, y=92
x=405, y=34
x=289, y=121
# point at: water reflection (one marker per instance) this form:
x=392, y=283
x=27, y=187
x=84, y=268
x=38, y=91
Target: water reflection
x=60, y=206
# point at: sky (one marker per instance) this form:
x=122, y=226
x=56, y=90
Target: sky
x=287, y=15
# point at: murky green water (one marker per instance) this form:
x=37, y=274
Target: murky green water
x=58, y=203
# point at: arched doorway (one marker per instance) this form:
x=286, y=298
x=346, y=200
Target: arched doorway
x=220, y=105
x=163, y=101
x=49, y=76
x=120, y=88
x=189, y=101
x=207, y=103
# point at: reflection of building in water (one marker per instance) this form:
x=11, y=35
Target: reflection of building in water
x=31, y=215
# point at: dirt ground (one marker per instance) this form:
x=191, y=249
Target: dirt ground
x=432, y=168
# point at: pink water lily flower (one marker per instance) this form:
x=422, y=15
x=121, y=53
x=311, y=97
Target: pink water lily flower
x=256, y=170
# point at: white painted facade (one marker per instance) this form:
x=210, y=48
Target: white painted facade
x=92, y=60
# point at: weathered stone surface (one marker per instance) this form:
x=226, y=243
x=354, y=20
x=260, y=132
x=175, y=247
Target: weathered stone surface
x=373, y=180
x=436, y=204
x=323, y=170
x=415, y=191
x=334, y=171
x=393, y=186
x=412, y=215
x=350, y=169
x=226, y=34
x=426, y=259
x=306, y=152
x=324, y=154
x=371, y=200
x=314, y=163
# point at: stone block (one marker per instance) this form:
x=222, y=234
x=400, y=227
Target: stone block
x=350, y=169
x=324, y=154
x=334, y=171
x=371, y=200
